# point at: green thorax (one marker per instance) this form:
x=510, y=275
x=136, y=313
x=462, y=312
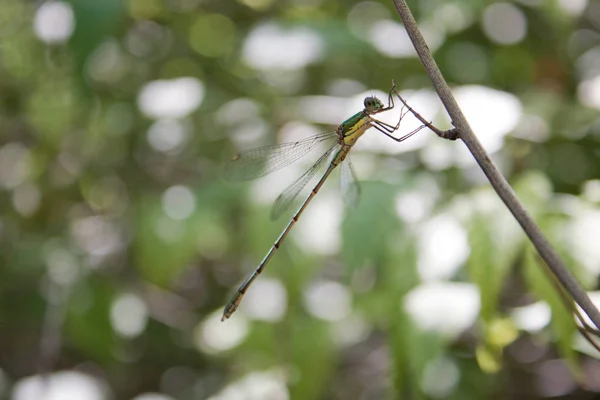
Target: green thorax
x=351, y=122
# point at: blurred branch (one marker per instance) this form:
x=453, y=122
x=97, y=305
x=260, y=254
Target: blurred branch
x=168, y=307
x=499, y=183
x=51, y=335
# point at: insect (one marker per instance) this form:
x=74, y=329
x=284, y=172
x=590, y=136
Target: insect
x=264, y=160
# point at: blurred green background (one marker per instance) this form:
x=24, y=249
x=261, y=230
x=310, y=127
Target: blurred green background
x=120, y=243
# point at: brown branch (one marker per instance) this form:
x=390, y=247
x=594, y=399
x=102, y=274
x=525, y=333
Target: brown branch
x=585, y=329
x=498, y=182
x=451, y=134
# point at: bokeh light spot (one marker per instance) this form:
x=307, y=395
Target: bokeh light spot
x=54, y=22
x=488, y=111
x=444, y=307
x=128, y=315
x=107, y=63
x=573, y=7
x=554, y=379
x=588, y=92
x=256, y=386
x=364, y=15
x=26, y=199
x=591, y=190
x=214, y=336
x=179, y=202
x=148, y=39
x=167, y=135
x=440, y=378
x=454, y=16
x=97, y=235
x=15, y=165
x=62, y=266
x=267, y=301
x=443, y=248
x=152, y=396
x=414, y=206
x=328, y=300
x=175, y=98
x=238, y=111
x=504, y=23
x=351, y=330
x=63, y=385
x=583, y=232
x=319, y=231
x=400, y=47
x=272, y=47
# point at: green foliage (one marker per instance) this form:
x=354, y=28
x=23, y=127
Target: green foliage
x=493, y=253
x=97, y=21
x=544, y=288
x=85, y=170
x=369, y=228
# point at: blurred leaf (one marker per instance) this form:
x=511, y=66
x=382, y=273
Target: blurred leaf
x=395, y=275
x=494, y=239
x=563, y=324
x=49, y=110
x=90, y=329
x=164, y=246
x=412, y=350
x=499, y=333
x=95, y=21
x=474, y=384
x=400, y=273
x=483, y=268
x=512, y=66
x=313, y=358
x=534, y=190
x=502, y=332
x=368, y=228
x=488, y=358
x=71, y=149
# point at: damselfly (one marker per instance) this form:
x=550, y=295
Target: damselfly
x=264, y=160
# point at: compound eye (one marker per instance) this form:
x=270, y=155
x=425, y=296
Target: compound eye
x=369, y=102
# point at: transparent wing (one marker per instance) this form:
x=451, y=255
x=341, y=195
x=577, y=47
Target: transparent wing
x=349, y=184
x=264, y=160
x=286, y=198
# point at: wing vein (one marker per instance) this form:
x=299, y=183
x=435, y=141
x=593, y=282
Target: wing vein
x=286, y=198
x=262, y=161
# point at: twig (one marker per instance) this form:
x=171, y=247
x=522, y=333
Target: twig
x=585, y=329
x=500, y=185
x=451, y=134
